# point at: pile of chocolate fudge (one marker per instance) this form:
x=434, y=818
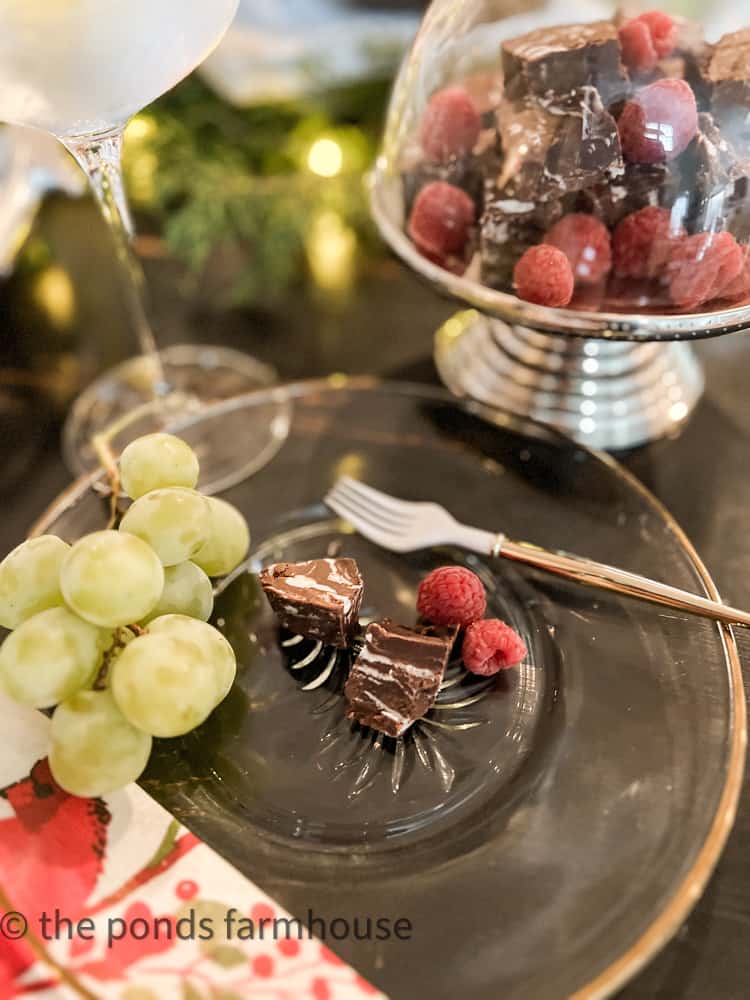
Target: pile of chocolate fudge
x=395, y=671
x=593, y=123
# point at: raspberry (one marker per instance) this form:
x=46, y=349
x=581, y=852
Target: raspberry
x=490, y=646
x=731, y=263
x=449, y=262
x=544, y=276
x=663, y=31
x=441, y=219
x=451, y=595
x=638, y=52
x=701, y=267
x=450, y=125
x=659, y=122
x=740, y=287
x=641, y=243
x=585, y=242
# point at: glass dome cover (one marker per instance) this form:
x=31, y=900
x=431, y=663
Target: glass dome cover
x=589, y=177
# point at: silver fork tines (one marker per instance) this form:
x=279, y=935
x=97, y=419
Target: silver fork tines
x=401, y=525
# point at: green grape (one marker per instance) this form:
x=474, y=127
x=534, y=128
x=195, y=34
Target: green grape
x=94, y=749
x=228, y=539
x=173, y=521
x=51, y=657
x=214, y=646
x=155, y=461
x=30, y=579
x=187, y=591
x=163, y=684
x=111, y=578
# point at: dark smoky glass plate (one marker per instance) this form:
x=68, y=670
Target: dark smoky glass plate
x=544, y=833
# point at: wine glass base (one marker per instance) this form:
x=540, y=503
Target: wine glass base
x=604, y=393
x=203, y=405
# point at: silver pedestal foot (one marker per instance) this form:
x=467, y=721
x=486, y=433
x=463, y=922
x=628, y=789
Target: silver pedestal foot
x=604, y=393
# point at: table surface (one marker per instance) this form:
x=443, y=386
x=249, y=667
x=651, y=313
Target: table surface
x=384, y=326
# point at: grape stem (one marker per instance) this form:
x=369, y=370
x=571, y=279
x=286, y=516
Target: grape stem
x=119, y=643
x=102, y=445
x=108, y=462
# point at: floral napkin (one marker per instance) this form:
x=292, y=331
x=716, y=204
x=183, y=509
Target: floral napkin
x=112, y=898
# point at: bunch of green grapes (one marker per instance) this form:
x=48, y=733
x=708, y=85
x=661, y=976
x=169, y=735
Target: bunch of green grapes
x=112, y=632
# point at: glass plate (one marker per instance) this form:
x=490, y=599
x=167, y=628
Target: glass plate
x=543, y=836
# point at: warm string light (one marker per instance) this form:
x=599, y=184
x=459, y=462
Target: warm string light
x=325, y=158
x=140, y=160
x=331, y=252
x=54, y=295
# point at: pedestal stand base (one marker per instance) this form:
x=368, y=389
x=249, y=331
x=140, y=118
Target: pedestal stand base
x=605, y=393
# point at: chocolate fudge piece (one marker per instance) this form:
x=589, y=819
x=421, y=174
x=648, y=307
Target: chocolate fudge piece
x=709, y=168
x=561, y=59
x=396, y=677
x=690, y=50
x=507, y=229
x=726, y=72
x=463, y=172
x=738, y=209
x=639, y=186
x=550, y=151
x=319, y=599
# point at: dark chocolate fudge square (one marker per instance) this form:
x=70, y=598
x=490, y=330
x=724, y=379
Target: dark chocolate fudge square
x=549, y=152
x=561, y=59
x=709, y=168
x=726, y=71
x=462, y=172
x=396, y=677
x=639, y=186
x=319, y=599
x=507, y=229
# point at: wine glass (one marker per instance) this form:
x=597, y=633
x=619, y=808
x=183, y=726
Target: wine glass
x=611, y=152
x=80, y=69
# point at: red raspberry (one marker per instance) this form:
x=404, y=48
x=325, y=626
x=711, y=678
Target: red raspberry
x=641, y=243
x=441, y=219
x=740, y=287
x=663, y=31
x=701, y=267
x=585, y=241
x=659, y=122
x=638, y=52
x=731, y=263
x=449, y=262
x=451, y=595
x=490, y=646
x=544, y=276
x=450, y=125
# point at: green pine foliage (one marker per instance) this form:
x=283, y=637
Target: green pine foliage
x=230, y=187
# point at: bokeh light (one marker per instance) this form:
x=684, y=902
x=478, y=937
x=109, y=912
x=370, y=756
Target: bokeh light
x=325, y=158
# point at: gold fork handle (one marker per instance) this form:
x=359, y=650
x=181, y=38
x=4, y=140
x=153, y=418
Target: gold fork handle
x=603, y=577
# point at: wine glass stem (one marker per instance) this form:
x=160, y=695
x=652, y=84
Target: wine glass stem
x=100, y=156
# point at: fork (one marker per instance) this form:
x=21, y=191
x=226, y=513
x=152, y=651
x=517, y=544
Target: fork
x=404, y=526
